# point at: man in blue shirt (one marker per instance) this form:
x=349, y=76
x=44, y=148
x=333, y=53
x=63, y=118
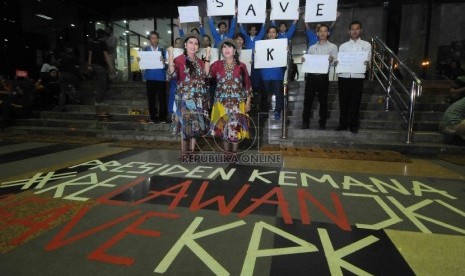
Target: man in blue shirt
x=222, y=32
x=312, y=37
x=156, y=84
x=283, y=31
x=252, y=35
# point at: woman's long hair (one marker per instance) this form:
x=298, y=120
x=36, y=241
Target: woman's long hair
x=190, y=66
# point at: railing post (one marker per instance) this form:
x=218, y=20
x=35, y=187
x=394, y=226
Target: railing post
x=391, y=74
x=384, y=72
x=414, y=92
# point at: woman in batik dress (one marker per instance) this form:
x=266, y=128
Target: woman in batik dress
x=232, y=98
x=191, y=92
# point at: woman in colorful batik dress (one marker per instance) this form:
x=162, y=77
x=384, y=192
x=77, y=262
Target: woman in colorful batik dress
x=232, y=97
x=191, y=98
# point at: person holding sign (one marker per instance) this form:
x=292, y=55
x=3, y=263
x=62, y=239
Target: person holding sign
x=283, y=31
x=206, y=41
x=156, y=84
x=239, y=38
x=223, y=31
x=233, y=97
x=250, y=39
x=319, y=83
x=200, y=32
x=191, y=92
x=252, y=36
x=350, y=84
x=312, y=34
x=273, y=82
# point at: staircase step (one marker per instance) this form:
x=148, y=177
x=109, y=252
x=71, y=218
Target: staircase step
x=416, y=148
x=119, y=108
x=94, y=124
x=330, y=135
x=380, y=129
x=90, y=116
x=117, y=135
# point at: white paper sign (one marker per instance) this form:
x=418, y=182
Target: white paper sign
x=188, y=14
x=270, y=53
x=284, y=10
x=251, y=11
x=351, y=62
x=150, y=60
x=176, y=53
x=221, y=7
x=316, y=64
x=246, y=58
x=213, y=54
x=320, y=10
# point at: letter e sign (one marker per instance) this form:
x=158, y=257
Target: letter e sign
x=320, y=10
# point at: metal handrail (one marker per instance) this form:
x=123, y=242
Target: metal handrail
x=384, y=66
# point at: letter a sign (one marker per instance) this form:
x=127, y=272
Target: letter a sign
x=320, y=10
x=251, y=11
x=271, y=53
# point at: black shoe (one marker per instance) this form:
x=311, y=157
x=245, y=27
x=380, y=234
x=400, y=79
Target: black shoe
x=354, y=129
x=340, y=128
x=305, y=126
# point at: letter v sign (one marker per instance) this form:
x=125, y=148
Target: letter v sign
x=283, y=8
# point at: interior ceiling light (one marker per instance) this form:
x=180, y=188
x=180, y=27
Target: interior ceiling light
x=44, y=16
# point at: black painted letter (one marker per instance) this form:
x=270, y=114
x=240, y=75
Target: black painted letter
x=318, y=9
x=268, y=56
x=220, y=3
x=251, y=9
x=283, y=9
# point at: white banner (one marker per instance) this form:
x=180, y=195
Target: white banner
x=246, y=58
x=316, y=64
x=251, y=11
x=351, y=62
x=188, y=14
x=270, y=53
x=213, y=54
x=320, y=10
x=176, y=52
x=284, y=10
x=150, y=60
x=221, y=7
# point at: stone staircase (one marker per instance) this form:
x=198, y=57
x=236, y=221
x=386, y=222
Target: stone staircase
x=127, y=104
x=380, y=129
